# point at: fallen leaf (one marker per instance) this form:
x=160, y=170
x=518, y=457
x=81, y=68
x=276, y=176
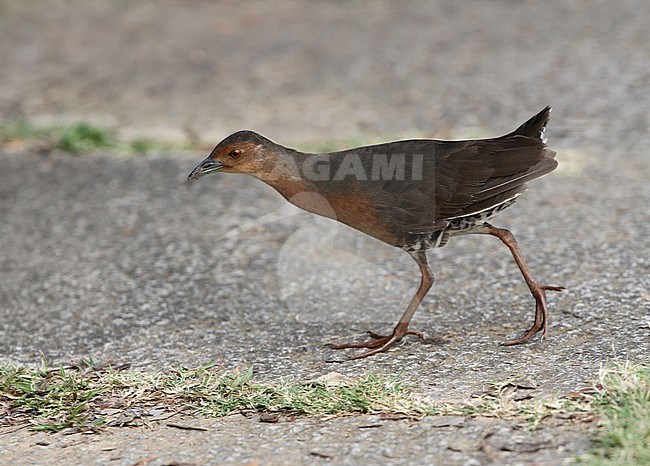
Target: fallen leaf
x=186, y=427
x=447, y=421
x=526, y=383
x=370, y=426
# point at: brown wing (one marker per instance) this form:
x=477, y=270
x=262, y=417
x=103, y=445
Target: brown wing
x=443, y=180
x=458, y=178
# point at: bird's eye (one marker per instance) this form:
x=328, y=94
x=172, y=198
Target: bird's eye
x=233, y=154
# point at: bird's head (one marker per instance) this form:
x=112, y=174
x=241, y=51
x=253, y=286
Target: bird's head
x=241, y=152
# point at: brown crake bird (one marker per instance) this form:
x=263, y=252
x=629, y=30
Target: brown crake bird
x=412, y=194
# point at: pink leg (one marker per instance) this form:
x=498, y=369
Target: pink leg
x=382, y=343
x=538, y=291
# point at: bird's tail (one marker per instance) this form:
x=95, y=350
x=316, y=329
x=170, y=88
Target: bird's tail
x=534, y=128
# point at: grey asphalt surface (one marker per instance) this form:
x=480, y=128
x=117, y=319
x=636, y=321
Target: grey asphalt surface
x=120, y=258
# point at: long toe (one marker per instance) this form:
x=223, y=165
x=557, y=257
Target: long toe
x=385, y=347
x=378, y=344
x=519, y=341
x=541, y=315
x=540, y=324
x=378, y=336
x=363, y=344
x=552, y=288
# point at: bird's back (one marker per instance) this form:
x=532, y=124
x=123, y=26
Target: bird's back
x=405, y=192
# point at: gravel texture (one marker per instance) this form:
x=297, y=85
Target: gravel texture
x=120, y=258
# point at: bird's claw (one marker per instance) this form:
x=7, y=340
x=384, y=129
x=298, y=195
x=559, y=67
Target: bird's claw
x=541, y=316
x=380, y=343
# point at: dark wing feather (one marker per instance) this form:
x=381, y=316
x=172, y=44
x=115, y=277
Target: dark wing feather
x=534, y=128
x=458, y=178
x=516, y=160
